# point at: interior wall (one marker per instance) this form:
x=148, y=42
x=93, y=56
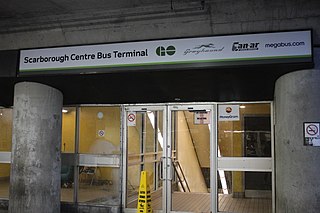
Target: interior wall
x=90, y=124
x=201, y=138
x=68, y=130
x=5, y=138
x=187, y=156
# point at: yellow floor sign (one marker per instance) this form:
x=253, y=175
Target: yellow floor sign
x=144, y=200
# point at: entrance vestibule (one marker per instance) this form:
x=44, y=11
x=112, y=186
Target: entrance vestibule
x=196, y=162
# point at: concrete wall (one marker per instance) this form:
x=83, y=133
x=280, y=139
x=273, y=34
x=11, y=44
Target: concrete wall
x=155, y=19
x=35, y=158
x=297, y=100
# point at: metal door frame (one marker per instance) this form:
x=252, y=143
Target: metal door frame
x=167, y=164
x=213, y=151
x=141, y=108
x=215, y=161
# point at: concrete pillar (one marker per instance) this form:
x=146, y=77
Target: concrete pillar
x=36, y=146
x=297, y=100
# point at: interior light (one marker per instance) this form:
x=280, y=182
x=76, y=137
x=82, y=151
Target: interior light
x=242, y=106
x=64, y=110
x=0, y=113
x=151, y=119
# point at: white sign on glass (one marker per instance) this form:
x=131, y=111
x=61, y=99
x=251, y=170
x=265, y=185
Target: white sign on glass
x=228, y=113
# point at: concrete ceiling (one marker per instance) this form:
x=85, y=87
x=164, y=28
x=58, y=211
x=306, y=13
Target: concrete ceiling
x=19, y=9
x=29, y=15
x=14, y=11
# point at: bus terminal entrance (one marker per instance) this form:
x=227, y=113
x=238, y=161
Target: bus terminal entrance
x=196, y=160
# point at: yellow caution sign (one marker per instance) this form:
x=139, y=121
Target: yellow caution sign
x=144, y=199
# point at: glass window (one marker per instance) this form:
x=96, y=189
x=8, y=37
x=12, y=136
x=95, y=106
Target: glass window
x=99, y=185
x=240, y=191
x=99, y=130
x=5, y=129
x=5, y=149
x=68, y=129
x=4, y=180
x=68, y=153
x=99, y=148
x=250, y=136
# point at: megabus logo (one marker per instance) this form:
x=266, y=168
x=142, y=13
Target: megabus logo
x=162, y=51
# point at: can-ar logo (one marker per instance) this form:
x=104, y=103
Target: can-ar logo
x=162, y=51
x=228, y=109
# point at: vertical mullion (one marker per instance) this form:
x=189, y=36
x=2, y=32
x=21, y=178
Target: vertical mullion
x=155, y=164
x=76, y=156
x=142, y=140
x=214, y=158
x=124, y=151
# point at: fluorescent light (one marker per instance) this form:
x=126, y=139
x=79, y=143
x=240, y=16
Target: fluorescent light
x=242, y=106
x=64, y=110
x=151, y=119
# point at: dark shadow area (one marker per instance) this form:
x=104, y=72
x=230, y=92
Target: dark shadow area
x=242, y=83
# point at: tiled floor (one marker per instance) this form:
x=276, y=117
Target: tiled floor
x=200, y=202
x=187, y=202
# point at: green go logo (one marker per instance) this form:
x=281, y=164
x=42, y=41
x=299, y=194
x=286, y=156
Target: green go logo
x=170, y=50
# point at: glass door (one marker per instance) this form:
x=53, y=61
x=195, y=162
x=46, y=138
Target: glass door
x=145, y=142
x=191, y=177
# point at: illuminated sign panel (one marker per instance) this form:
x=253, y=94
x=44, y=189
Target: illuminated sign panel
x=204, y=51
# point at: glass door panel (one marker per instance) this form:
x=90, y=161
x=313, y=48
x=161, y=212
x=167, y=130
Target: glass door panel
x=145, y=141
x=245, y=158
x=191, y=140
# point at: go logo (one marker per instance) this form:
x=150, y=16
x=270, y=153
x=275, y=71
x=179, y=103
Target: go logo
x=170, y=50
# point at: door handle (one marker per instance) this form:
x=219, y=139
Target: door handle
x=161, y=168
x=169, y=170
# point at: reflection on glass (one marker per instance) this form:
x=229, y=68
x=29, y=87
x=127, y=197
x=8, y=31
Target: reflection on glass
x=191, y=162
x=4, y=180
x=67, y=156
x=250, y=136
x=68, y=130
x=99, y=182
x=245, y=193
x=99, y=130
x=67, y=183
x=5, y=129
x=99, y=185
x=5, y=146
x=145, y=142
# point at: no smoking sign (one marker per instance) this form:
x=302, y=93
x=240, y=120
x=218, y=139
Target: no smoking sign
x=311, y=130
x=131, y=118
x=311, y=133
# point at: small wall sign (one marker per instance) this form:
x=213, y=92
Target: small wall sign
x=311, y=133
x=101, y=133
x=202, y=117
